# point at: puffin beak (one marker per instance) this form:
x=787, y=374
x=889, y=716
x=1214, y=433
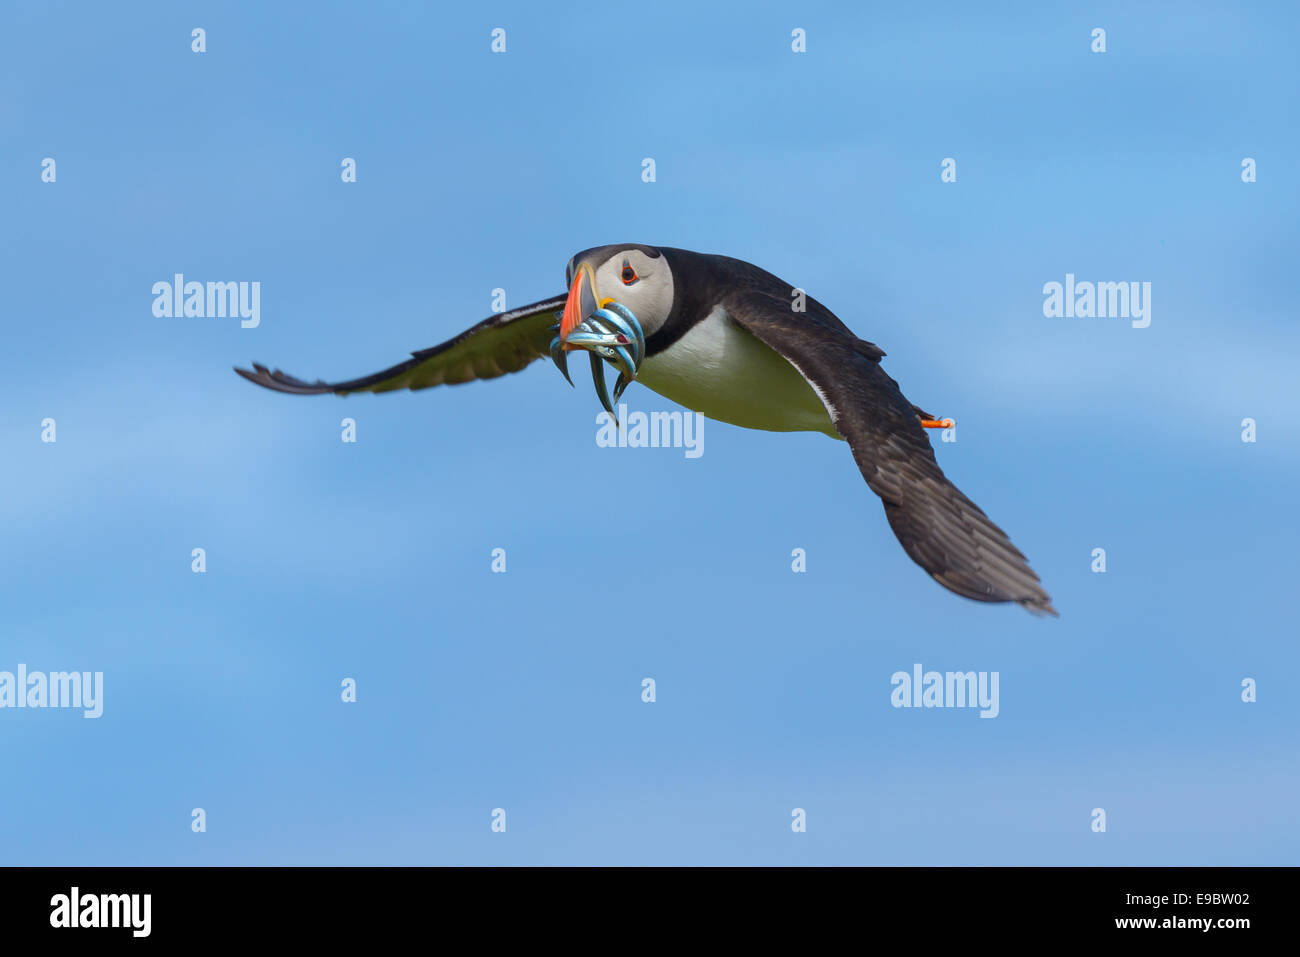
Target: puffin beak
x=582, y=301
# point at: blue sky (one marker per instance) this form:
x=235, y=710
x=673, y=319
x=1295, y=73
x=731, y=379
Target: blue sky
x=522, y=690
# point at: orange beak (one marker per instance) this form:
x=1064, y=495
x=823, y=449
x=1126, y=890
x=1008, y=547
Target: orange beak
x=582, y=301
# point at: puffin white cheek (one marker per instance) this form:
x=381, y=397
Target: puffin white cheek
x=660, y=300
x=635, y=300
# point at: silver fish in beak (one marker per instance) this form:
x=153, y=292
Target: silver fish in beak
x=609, y=332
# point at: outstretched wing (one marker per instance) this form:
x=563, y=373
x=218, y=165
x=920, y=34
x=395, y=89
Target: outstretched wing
x=940, y=528
x=498, y=345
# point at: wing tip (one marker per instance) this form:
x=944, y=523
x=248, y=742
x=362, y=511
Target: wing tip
x=278, y=381
x=1039, y=607
x=1031, y=598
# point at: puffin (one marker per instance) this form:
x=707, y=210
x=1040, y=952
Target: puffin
x=735, y=343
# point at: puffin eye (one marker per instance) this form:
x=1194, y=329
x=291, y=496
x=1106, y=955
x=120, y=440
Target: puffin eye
x=628, y=275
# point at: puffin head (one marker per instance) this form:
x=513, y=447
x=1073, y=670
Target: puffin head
x=618, y=295
x=632, y=274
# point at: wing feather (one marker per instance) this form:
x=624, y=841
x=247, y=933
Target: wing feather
x=942, y=530
x=497, y=346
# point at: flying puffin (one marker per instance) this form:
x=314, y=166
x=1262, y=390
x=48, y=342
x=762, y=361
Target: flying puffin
x=729, y=340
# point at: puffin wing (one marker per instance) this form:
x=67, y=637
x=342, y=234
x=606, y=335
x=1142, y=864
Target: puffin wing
x=940, y=528
x=494, y=347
